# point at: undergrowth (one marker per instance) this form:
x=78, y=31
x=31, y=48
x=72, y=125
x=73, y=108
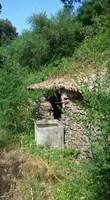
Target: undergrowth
x=75, y=177
x=73, y=47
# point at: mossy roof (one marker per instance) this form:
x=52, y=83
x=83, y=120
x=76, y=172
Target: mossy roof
x=57, y=84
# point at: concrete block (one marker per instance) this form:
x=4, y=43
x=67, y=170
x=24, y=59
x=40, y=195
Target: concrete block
x=49, y=133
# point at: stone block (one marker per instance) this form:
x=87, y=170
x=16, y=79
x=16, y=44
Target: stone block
x=49, y=133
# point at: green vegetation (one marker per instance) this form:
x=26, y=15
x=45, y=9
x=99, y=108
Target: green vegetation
x=73, y=179
x=71, y=45
x=7, y=32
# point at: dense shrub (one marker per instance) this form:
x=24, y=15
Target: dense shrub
x=62, y=32
x=7, y=32
x=30, y=50
x=47, y=44
x=94, y=16
x=49, y=39
x=98, y=104
x=14, y=113
x=92, y=9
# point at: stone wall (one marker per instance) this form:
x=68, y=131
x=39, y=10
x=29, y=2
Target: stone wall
x=43, y=110
x=75, y=135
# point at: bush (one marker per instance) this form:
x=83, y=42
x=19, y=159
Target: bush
x=14, y=112
x=62, y=32
x=7, y=32
x=30, y=50
x=98, y=104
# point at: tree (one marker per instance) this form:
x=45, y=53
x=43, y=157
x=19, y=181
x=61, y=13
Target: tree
x=30, y=49
x=61, y=32
x=95, y=12
x=70, y=3
x=7, y=31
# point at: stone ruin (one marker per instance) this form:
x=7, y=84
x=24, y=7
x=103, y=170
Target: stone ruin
x=60, y=106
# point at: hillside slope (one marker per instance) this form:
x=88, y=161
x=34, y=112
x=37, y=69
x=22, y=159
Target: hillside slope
x=64, y=47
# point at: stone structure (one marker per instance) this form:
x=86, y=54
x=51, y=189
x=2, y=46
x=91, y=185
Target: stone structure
x=57, y=84
x=45, y=110
x=64, y=101
x=75, y=135
x=49, y=133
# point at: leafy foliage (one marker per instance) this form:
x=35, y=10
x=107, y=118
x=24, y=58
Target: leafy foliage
x=30, y=50
x=13, y=98
x=49, y=39
x=95, y=13
x=98, y=103
x=84, y=39
x=69, y=3
x=7, y=31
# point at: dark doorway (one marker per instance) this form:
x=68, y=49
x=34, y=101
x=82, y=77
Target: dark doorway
x=56, y=103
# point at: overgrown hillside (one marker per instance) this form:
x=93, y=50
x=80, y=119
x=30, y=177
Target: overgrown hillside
x=71, y=44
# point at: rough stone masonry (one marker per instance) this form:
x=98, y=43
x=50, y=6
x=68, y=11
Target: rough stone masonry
x=74, y=134
x=62, y=106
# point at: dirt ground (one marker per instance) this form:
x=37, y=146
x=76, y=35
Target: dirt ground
x=18, y=172
x=10, y=172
